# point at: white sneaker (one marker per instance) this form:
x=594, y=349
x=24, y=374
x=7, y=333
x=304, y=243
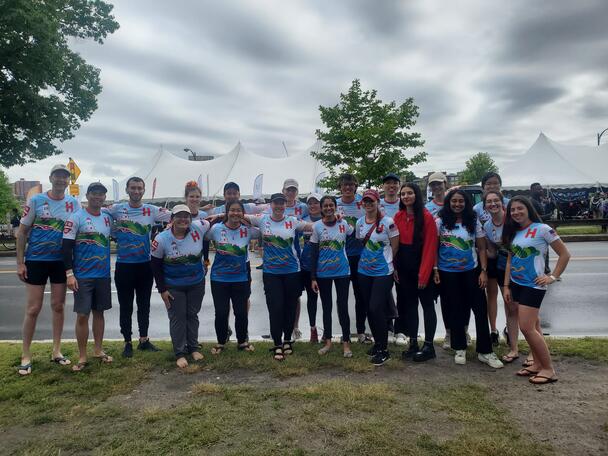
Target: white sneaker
x=447, y=344
x=461, y=357
x=401, y=339
x=491, y=360
x=391, y=337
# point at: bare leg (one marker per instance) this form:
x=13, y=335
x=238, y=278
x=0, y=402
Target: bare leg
x=492, y=293
x=35, y=296
x=82, y=336
x=512, y=327
x=57, y=306
x=529, y=324
x=98, y=329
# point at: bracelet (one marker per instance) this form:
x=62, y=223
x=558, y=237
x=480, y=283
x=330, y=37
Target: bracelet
x=69, y=274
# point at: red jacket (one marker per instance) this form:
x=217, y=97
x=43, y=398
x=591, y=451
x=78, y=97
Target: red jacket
x=405, y=224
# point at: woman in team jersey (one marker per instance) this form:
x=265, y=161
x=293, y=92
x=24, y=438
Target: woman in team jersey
x=329, y=266
x=527, y=239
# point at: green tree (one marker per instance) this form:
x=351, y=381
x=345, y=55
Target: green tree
x=476, y=167
x=8, y=202
x=367, y=137
x=46, y=89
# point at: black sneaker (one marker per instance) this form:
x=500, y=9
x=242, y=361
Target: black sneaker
x=128, y=350
x=427, y=352
x=372, y=351
x=494, y=338
x=147, y=346
x=380, y=357
x=410, y=352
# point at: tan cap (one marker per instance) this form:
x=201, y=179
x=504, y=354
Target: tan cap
x=290, y=183
x=180, y=208
x=437, y=177
x=60, y=167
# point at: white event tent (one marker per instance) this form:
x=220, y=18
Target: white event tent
x=557, y=165
x=239, y=165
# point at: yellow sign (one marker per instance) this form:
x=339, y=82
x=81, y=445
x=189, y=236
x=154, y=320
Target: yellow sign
x=74, y=173
x=74, y=189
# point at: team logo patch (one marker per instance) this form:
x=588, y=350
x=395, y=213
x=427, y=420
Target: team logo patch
x=68, y=226
x=26, y=210
x=154, y=245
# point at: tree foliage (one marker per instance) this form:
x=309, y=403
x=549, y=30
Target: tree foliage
x=8, y=202
x=367, y=137
x=476, y=166
x=46, y=89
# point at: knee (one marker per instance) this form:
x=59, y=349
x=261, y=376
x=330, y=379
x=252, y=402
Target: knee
x=33, y=310
x=58, y=305
x=82, y=319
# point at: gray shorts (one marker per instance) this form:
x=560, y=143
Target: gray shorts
x=93, y=294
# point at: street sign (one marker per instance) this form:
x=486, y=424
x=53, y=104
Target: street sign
x=74, y=189
x=74, y=173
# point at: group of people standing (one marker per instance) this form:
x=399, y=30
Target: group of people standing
x=446, y=247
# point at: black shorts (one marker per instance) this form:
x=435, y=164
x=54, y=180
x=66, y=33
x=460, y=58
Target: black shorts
x=527, y=296
x=93, y=294
x=494, y=272
x=38, y=272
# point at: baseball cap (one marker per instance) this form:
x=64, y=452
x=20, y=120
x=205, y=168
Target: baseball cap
x=371, y=194
x=316, y=196
x=60, y=167
x=391, y=176
x=180, y=208
x=229, y=185
x=290, y=183
x=97, y=186
x=437, y=177
x=277, y=196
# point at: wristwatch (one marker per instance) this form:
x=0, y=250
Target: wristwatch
x=555, y=279
x=484, y=269
x=69, y=274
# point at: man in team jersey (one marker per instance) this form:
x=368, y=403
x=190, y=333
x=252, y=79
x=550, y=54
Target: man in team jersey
x=133, y=222
x=41, y=229
x=390, y=202
x=438, y=184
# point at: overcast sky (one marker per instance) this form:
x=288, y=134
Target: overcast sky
x=487, y=76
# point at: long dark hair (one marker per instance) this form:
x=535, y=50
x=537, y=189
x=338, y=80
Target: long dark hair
x=418, y=209
x=511, y=226
x=468, y=215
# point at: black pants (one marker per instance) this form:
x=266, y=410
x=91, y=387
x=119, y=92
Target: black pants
x=325, y=286
x=206, y=250
x=183, y=318
x=311, y=298
x=134, y=280
x=223, y=293
x=282, y=292
x=375, y=291
x=460, y=293
x=360, y=307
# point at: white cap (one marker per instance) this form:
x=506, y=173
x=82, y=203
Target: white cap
x=180, y=208
x=290, y=183
x=316, y=196
x=437, y=177
x=60, y=167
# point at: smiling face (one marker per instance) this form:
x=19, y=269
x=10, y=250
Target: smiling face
x=193, y=200
x=59, y=181
x=232, y=194
x=348, y=189
x=519, y=213
x=493, y=184
x=329, y=208
x=291, y=194
x=181, y=221
x=96, y=198
x=278, y=208
x=457, y=203
x=493, y=203
x=235, y=214
x=391, y=188
x=408, y=197
x=437, y=188
x=370, y=205
x=136, y=190
x=314, y=207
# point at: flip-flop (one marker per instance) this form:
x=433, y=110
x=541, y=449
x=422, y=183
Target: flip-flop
x=528, y=362
x=217, y=349
x=507, y=359
x=26, y=368
x=544, y=380
x=80, y=366
x=105, y=358
x=246, y=347
x=525, y=372
x=61, y=360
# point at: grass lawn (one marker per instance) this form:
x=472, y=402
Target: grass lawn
x=246, y=403
x=592, y=229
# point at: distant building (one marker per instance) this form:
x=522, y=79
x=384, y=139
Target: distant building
x=200, y=158
x=21, y=187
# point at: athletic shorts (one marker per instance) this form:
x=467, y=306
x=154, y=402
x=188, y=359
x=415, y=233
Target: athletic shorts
x=494, y=272
x=38, y=272
x=527, y=296
x=93, y=294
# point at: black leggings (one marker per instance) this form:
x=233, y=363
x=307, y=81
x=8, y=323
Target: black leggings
x=342, y=284
x=282, y=292
x=360, y=307
x=223, y=293
x=206, y=250
x=460, y=293
x=134, y=280
x=311, y=298
x=375, y=291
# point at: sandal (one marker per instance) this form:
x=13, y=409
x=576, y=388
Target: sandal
x=544, y=380
x=288, y=347
x=24, y=369
x=246, y=346
x=278, y=353
x=348, y=354
x=525, y=372
x=507, y=359
x=105, y=358
x=365, y=339
x=80, y=366
x=324, y=350
x=61, y=360
x=216, y=350
x=528, y=362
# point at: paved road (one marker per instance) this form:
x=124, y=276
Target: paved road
x=577, y=306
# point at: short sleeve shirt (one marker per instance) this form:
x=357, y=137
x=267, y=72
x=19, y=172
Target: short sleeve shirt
x=494, y=235
x=457, y=247
x=305, y=256
x=278, y=239
x=528, y=251
x=332, y=261
x=132, y=227
x=433, y=207
x=182, y=265
x=250, y=208
x=231, y=254
x=351, y=212
x=483, y=215
x=377, y=255
x=91, y=234
x=390, y=209
x=46, y=216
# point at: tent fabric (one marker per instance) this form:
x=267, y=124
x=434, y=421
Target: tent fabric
x=239, y=165
x=557, y=165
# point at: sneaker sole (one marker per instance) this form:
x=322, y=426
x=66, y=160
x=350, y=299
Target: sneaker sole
x=383, y=362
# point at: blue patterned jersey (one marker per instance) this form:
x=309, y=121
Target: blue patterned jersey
x=433, y=207
x=305, y=256
x=351, y=212
x=377, y=255
x=390, y=209
x=231, y=254
x=278, y=239
x=528, y=251
x=332, y=261
x=457, y=247
x=46, y=216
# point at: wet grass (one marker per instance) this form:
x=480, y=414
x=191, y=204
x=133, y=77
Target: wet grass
x=577, y=230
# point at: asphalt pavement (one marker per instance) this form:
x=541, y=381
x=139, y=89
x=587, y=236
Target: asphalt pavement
x=577, y=306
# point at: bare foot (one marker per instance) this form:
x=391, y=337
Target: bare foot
x=182, y=363
x=346, y=349
x=197, y=356
x=325, y=348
